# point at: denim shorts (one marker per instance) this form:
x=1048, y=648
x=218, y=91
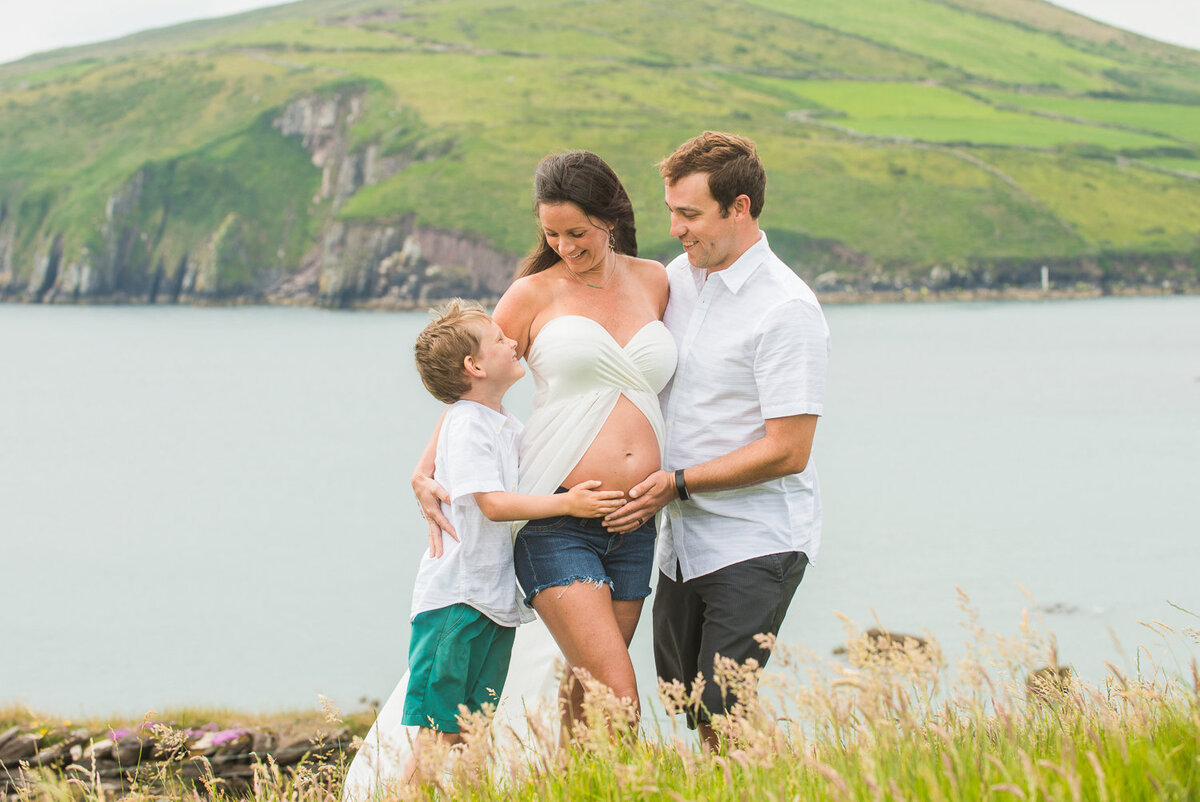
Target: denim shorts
x=553, y=552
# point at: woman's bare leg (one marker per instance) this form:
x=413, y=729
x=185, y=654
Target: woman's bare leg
x=570, y=693
x=594, y=633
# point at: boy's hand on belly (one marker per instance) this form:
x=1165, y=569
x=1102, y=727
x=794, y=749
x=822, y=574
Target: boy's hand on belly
x=585, y=501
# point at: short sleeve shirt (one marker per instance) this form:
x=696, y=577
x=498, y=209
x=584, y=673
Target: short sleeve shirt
x=753, y=344
x=476, y=453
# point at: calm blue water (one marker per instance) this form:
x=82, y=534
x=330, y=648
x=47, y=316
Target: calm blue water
x=211, y=506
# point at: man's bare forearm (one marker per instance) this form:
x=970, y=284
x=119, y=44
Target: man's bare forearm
x=783, y=450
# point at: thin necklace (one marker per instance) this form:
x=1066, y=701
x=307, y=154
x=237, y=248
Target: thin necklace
x=587, y=283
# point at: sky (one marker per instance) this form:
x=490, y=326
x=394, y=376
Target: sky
x=32, y=27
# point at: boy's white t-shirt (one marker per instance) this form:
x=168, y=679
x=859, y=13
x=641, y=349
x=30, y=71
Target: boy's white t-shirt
x=477, y=452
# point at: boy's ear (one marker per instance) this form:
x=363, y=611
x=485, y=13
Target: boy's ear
x=472, y=369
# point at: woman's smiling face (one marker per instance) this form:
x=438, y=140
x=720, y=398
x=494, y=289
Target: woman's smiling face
x=580, y=242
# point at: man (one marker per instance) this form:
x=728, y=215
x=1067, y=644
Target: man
x=743, y=513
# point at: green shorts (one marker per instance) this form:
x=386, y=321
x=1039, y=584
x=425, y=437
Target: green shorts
x=456, y=656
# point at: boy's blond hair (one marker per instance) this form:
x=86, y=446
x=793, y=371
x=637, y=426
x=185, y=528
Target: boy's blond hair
x=441, y=347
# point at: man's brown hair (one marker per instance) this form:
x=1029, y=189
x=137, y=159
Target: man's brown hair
x=732, y=165
x=443, y=345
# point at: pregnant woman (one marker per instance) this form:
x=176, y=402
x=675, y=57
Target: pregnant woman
x=587, y=317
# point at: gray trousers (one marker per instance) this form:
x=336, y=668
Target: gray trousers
x=719, y=614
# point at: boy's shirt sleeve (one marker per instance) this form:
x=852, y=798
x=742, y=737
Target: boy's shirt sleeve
x=472, y=456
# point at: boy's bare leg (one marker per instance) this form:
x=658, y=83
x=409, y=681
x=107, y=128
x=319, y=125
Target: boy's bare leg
x=425, y=737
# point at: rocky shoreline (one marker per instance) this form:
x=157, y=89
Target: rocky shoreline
x=926, y=295
x=838, y=296
x=161, y=755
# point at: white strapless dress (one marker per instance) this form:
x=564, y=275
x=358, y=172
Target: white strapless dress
x=579, y=373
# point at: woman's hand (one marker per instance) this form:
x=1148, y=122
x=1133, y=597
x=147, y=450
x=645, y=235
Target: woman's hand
x=584, y=501
x=430, y=496
x=645, y=499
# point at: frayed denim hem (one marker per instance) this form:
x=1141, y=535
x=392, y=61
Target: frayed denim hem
x=645, y=595
x=567, y=581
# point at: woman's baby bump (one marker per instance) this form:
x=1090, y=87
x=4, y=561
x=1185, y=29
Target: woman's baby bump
x=623, y=453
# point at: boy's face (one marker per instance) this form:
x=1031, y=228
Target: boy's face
x=497, y=356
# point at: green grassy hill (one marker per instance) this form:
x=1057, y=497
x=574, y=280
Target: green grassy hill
x=351, y=151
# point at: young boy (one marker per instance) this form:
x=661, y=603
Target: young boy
x=465, y=607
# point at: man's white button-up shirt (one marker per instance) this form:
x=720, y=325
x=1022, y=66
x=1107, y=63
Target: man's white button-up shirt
x=753, y=344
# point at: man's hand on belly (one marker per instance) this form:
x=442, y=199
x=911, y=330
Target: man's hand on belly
x=645, y=499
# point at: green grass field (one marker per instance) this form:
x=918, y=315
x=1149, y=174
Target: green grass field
x=474, y=92
x=941, y=114
x=1191, y=166
x=1176, y=121
x=1106, y=203
x=975, y=45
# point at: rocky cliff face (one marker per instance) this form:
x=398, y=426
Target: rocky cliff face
x=322, y=122
x=8, y=234
x=147, y=251
x=387, y=262
x=394, y=264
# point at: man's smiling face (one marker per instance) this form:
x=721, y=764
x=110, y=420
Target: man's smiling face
x=709, y=237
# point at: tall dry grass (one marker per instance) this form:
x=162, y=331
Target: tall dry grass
x=894, y=720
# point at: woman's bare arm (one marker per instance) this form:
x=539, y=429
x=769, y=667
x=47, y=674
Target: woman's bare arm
x=516, y=310
x=430, y=494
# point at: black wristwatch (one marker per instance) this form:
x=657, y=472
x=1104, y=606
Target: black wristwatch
x=681, y=486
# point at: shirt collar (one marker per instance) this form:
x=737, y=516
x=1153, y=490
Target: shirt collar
x=497, y=420
x=736, y=274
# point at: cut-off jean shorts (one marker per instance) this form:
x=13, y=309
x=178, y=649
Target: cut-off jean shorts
x=557, y=551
